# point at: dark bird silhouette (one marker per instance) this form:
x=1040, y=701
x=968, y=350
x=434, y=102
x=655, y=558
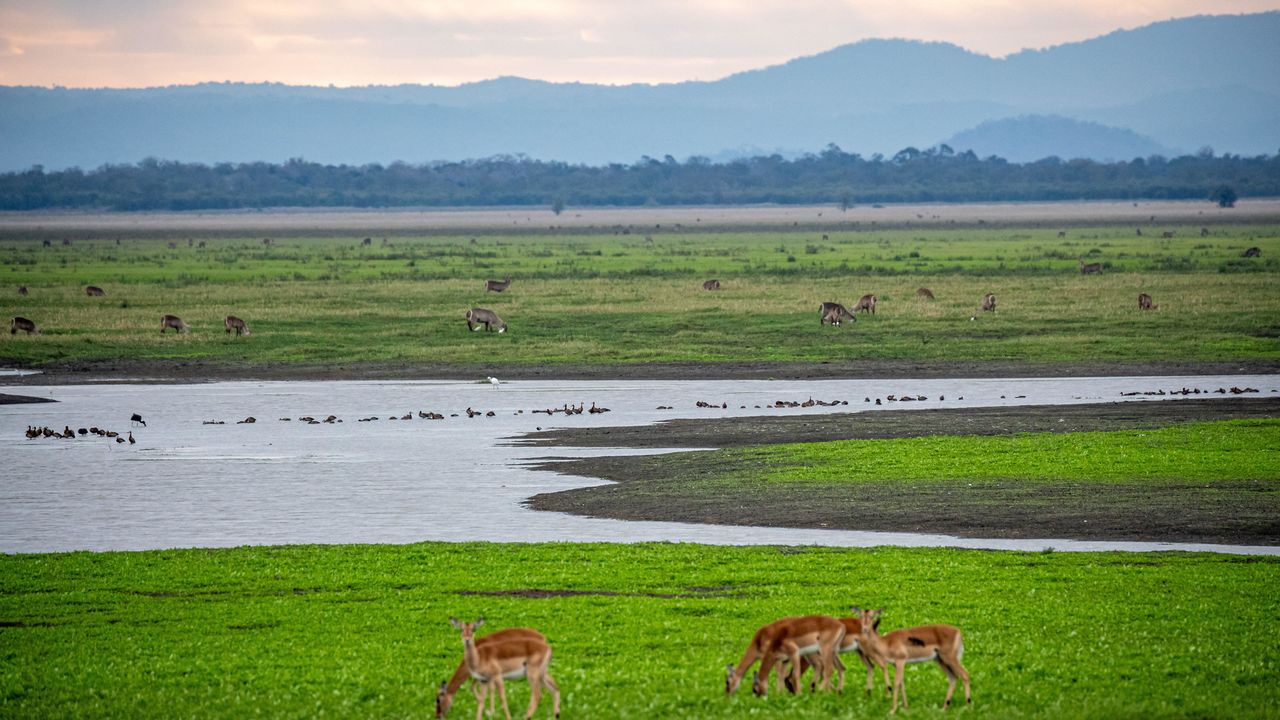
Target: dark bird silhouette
x=136, y=418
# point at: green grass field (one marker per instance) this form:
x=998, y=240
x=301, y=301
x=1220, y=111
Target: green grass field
x=637, y=630
x=627, y=299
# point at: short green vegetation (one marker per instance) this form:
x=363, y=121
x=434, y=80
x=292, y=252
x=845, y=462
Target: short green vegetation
x=638, y=631
x=629, y=298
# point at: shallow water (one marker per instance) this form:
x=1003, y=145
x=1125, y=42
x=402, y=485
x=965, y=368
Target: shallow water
x=189, y=484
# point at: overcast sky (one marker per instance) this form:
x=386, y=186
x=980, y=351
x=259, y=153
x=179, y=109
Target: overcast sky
x=135, y=43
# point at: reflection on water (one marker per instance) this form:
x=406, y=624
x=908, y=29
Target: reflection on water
x=191, y=484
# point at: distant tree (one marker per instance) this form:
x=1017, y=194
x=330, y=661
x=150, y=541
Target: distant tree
x=1225, y=196
x=557, y=206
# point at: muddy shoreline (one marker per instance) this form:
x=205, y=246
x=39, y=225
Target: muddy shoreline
x=683, y=487
x=196, y=371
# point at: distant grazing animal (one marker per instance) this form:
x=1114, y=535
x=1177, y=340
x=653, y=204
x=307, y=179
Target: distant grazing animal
x=989, y=302
x=1252, y=252
x=493, y=663
x=1062, y=233
x=444, y=698
x=175, y=322
x=1166, y=234
x=497, y=285
x=787, y=641
x=1090, y=269
x=136, y=418
x=367, y=241
x=488, y=318
x=942, y=643
x=173, y=245
x=21, y=323
x=1144, y=302
x=924, y=294
x=711, y=285
x=266, y=241
x=94, y=291
x=1204, y=232
x=1139, y=231
x=22, y=290
x=234, y=323
x=834, y=312
x=46, y=243
x=866, y=303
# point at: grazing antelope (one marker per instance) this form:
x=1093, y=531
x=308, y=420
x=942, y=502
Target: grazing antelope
x=21, y=323
x=834, y=312
x=1144, y=302
x=866, y=303
x=490, y=664
x=912, y=645
x=234, y=323
x=788, y=640
x=924, y=293
x=711, y=285
x=488, y=318
x=1251, y=252
x=444, y=698
x=175, y=322
x=22, y=290
x=1090, y=269
x=497, y=285
x=1204, y=232
x=989, y=302
x=852, y=643
x=367, y=241
x=94, y=291
x=1062, y=233
x=1166, y=234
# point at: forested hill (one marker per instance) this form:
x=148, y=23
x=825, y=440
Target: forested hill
x=832, y=176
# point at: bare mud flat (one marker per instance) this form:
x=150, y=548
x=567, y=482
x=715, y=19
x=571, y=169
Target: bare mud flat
x=683, y=219
x=673, y=487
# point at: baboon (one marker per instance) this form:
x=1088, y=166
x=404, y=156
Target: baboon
x=175, y=322
x=1090, y=269
x=924, y=294
x=834, y=312
x=1144, y=302
x=22, y=290
x=94, y=291
x=711, y=285
x=1252, y=252
x=989, y=302
x=488, y=318
x=866, y=303
x=234, y=323
x=497, y=285
x=21, y=323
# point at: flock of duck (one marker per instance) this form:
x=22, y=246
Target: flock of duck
x=67, y=433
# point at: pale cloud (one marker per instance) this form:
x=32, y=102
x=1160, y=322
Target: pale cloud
x=157, y=42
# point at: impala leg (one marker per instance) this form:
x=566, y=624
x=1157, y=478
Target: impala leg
x=951, y=682
x=502, y=693
x=899, y=687
x=535, y=694
x=480, y=690
x=555, y=692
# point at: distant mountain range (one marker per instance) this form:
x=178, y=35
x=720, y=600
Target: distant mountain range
x=1167, y=88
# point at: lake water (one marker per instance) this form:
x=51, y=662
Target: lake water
x=190, y=484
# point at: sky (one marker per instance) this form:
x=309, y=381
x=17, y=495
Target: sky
x=145, y=43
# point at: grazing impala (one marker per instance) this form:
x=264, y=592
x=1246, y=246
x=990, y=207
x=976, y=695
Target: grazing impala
x=444, y=698
x=924, y=294
x=912, y=645
x=497, y=285
x=787, y=640
x=834, y=312
x=175, y=322
x=234, y=323
x=989, y=302
x=866, y=303
x=711, y=285
x=1090, y=269
x=488, y=318
x=491, y=663
x=852, y=643
x=21, y=323
x=1144, y=302
x=94, y=291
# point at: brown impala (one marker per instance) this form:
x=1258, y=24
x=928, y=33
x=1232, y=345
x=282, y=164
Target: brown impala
x=989, y=302
x=497, y=285
x=913, y=645
x=1144, y=302
x=444, y=698
x=492, y=663
x=924, y=294
x=175, y=322
x=866, y=303
x=234, y=323
x=1090, y=269
x=786, y=641
x=94, y=291
x=711, y=285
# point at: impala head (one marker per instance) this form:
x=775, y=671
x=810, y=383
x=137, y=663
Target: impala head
x=443, y=700
x=468, y=628
x=870, y=619
x=731, y=681
x=759, y=685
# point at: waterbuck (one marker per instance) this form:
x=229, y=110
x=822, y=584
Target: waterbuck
x=1252, y=252
x=488, y=318
x=834, y=312
x=866, y=303
x=924, y=294
x=497, y=285
x=1090, y=269
x=1144, y=302
x=94, y=291
x=711, y=285
x=21, y=323
x=989, y=302
x=234, y=323
x=175, y=322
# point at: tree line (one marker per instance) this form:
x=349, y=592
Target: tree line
x=936, y=174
